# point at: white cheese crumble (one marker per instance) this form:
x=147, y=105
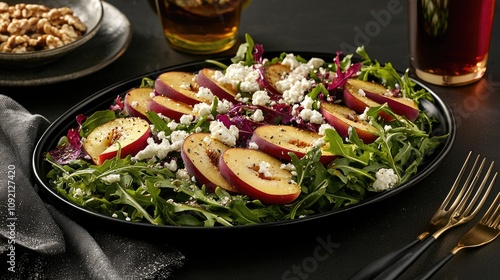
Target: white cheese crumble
x=264, y=169
x=223, y=106
x=202, y=109
x=258, y=115
x=260, y=97
x=205, y=93
x=323, y=127
x=186, y=119
x=220, y=132
x=252, y=145
x=111, y=178
x=386, y=179
x=239, y=75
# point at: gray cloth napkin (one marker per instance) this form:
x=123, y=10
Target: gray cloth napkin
x=39, y=242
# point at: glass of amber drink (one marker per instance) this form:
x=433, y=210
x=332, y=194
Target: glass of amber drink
x=200, y=26
x=449, y=40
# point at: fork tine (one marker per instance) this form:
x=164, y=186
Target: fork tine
x=473, y=208
x=454, y=187
x=492, y=216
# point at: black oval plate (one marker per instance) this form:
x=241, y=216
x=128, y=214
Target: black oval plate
x=104, y=98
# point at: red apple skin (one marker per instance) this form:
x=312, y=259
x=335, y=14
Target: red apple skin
x=136, y=102
x=101, y=143
x=339, y=117
x=201, y=160
x=169, y=107
x=278, y=141
x=378, y=93
x=179, y=86
x=273, y=74
x=359, y=103
x=204, y=79
x=239, y=166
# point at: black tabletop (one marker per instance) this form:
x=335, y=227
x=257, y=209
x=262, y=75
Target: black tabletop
x=337, y=247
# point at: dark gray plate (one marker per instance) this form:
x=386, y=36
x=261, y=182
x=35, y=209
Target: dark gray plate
x=112, y=39
x=102, y=100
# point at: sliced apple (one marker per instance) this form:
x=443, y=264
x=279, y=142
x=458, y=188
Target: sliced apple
x=136, y=102
x=279, y=140
x=201, y=154
x=380, y=94
x=169, y=107
x=222, y=91
x=258, y=175
x=342, y=118
x=354, y=99
x=180, y=86
x=131, y=134
x=272, y=75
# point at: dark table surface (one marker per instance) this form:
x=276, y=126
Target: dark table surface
x=356, y=237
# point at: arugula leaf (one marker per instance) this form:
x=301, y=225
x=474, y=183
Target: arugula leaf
x=96, y=119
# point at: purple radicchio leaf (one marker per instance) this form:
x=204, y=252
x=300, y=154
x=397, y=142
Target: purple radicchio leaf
x=69, y=151
x=340, y=80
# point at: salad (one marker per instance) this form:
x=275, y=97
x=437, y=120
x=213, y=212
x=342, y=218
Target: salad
x=259, y=140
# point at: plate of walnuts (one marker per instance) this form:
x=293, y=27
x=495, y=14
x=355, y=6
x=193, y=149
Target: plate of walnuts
x=34, y=34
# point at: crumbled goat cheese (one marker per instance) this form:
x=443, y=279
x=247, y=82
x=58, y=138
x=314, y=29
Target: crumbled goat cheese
x=182, y=174
x=364, y=116
x=172, y=125
x=258, y=115
x=153, y=149
x=288, y=166
x=316, y=62
x=312, y=116
x=308, y=102
x=361, y=92
x=264, y=169
x=252, y=145
x=135, y=104
x=260, y=97
x=202, y=109
x=323, y=127
x=293, y=88
x=177, y=138
x=205, y=93
x=111, y=178
x=223, y=106
x=320, y=142
x=386, y=179
x=290, y=60
x=239, y=75
x=220, y=132
x=186, y=119
x=172, y=165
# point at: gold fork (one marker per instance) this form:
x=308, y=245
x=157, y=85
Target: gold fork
x=447, y=216
x=485, y=231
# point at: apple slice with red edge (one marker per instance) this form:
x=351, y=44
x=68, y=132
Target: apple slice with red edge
x=272, y=75
x=342, y=118
x=399, y=105
x=356, y=101
x=222, y=91
x=201, y=154
x=136, y=102
x=169, y=108
x=129, y=134
x=180, y=86
x=258, y=175
x=279, y=140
